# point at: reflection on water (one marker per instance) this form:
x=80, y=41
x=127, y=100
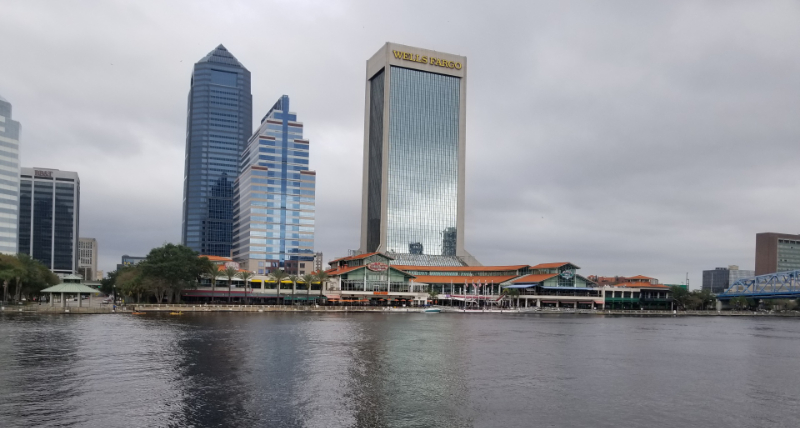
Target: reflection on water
x=396, y=370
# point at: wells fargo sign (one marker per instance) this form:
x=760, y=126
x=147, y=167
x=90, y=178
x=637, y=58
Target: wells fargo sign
x=427, y=60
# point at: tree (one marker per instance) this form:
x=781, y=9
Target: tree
x=322, y=277
x=739, y=302
x=129, y=282
x=432, y=293
x=176, y=266
x=294, y=279
x=680, y=296
x=212, y=270
x=10, y=268
x=278, y=276
x=230, y=272
x=245, y=275
x=308, y=279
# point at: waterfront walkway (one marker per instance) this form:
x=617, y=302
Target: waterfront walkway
x=189, y=308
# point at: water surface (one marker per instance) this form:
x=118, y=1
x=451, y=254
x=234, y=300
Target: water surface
x=397, y=370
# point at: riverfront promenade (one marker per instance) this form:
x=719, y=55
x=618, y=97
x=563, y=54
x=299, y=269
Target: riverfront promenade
x=188, y=308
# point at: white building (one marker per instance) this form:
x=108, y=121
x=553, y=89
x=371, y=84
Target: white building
x=9, y=179
x=87, y=259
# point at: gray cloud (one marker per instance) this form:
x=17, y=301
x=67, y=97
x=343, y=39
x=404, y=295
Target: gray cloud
x=627, y=137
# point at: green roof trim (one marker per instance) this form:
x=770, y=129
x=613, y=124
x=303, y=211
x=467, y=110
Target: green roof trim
x=70, y=288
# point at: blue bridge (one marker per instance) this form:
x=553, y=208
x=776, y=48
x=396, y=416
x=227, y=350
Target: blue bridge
x=781, y=285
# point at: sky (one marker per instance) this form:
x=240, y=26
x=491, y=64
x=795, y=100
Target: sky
x=627, y=137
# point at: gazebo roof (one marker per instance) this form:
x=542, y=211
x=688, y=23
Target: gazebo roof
x=70, y=288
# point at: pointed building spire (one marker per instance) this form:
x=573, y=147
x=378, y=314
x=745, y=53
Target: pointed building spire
x=222, y=56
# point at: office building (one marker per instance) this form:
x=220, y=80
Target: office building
x=777, y=252
x=219, y=122
x=9, y=179
x=719, y=279
x=274, y=197
x=130, y=261
x=318, y=262
x=87, y=258
x=414, y=151
x=49, y=212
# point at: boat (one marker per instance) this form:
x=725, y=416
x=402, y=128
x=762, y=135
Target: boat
x=137, y=313
x=176, y=313
x=432, y=310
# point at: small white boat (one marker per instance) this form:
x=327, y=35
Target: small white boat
x=432, y=310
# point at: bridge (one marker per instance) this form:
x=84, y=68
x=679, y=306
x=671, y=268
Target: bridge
x=780, y=285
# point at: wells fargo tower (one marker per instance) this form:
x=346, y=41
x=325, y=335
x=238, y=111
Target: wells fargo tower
x=414, y=151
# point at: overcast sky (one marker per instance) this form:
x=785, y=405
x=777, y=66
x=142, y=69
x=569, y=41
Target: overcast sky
x=627, y=137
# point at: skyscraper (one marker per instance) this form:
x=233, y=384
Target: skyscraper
x=49, y=212
x=414, y=151
x=87, y=258
x=219, y=121
x=9, y=179
x=274, y=197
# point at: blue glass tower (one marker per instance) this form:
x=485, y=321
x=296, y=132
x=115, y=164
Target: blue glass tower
x=219, y=122
x=274, y=197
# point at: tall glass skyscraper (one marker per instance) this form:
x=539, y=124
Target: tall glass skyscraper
x=219, y=122
x=414, y=151
x=49, y=213
x=9, y=179
x=274, y=197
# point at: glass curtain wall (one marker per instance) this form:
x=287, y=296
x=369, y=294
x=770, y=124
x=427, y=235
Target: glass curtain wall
x=423, y=162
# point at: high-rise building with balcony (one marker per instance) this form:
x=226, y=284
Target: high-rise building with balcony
x=219, y=122
x=414, y=152
x=9, y=179
x=274, y=197
x=49, y=213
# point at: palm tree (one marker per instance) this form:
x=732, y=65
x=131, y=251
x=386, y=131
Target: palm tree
x=294, y=279
x=230, y=272
x=245, y=275
x=308, y=279
x=322, y=277
x=278, y=276
x=432, y=293
x=212, y=270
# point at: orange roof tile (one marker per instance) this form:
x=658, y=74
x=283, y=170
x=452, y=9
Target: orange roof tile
x=217, y=258
x=640, y=277
x=460, y=268
x=530, y=279
x=447, y=279
x=343, y=270
x=360, y=256
x=639, y=285
x=551, y=265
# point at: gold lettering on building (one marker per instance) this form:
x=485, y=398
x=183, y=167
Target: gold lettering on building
x=405, y=56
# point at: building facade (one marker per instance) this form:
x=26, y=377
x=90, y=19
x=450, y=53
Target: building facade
x=414, y=152
x=718, y=280
x=130, y=261
x=9, y=179
x=49, y=212
x=87, y=259
x=777, y=252
x=274, y=197
x=219, y=122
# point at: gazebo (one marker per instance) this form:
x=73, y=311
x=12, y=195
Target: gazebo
x=69, y=288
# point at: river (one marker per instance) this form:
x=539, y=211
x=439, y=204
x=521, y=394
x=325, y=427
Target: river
x=397, y=370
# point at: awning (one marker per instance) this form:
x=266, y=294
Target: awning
x=333, y=297
x=289, y=297
x=520, y=285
